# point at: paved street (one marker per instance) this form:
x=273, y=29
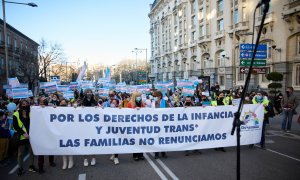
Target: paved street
x=280, y=161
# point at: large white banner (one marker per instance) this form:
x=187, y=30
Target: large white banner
x=90, y=130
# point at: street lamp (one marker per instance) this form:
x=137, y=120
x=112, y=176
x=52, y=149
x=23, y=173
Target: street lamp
x=5, y=34
x=136, y=51
x=146, y=66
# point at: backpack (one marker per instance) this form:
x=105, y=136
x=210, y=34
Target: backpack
x=270, y=109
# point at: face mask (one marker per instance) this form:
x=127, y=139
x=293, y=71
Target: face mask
x=166, y=98
x=89, y=96
x=247, y=98
x=138, y=99
x=63, y=105
x=259, y=98
x=112, y=105
x=188, y=103
x=155, y=99
x=288, y=93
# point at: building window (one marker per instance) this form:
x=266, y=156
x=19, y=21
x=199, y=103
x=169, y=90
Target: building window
x=8, y=40
x=200, y=15
x=1, y=63
x=15, y=44
x=220, y=7
x=202, y=31
x=244, y=14
x=1, y=36
x=193, y=35
x=236, y=16
x=264, y=78
x=241, y=77
x=180, y=25
x=220, y=25
x=269, y=51
x=193, y=21
x=297, y=73
x=298, y=45
x=180, y=39
x=222, y=80
x=207, y=29
x=193, y=7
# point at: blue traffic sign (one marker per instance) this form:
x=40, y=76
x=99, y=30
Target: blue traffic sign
x=250, y=47
x=248, y=55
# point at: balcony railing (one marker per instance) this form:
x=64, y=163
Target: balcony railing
x=219, y=34
x=204, y=38
x=290, y=5
x=201, y=2
x=240, y=26
x=219, y=13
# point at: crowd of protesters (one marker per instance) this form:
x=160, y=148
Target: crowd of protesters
x=15, y=116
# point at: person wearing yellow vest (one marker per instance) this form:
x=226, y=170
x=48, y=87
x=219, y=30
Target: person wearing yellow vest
x=219, y=101
x=21, y=123
x=260, y=99
x=228, y=100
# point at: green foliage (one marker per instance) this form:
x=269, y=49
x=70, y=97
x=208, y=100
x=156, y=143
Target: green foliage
x=274, y=85
x=274, y=91
x=274, y=76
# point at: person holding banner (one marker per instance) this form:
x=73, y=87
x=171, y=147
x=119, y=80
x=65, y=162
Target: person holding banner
x=260, y=99
x=136, y=102
x=54, y=100
x=160, y=103
x=44, y=102
x=115, y=157
x=189, y=103
x=21, y=124
x=219, y=101
x=89, y=101
x=66, y=165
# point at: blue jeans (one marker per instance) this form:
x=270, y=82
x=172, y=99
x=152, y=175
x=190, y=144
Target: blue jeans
x=263, y=132
x=287, y=119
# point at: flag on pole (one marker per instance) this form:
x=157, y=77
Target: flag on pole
x=82, y=72
x=107, y=74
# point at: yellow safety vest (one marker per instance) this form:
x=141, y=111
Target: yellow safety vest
x=226, y=100
x=214, y=103
x=20, y=124
x=265, y=103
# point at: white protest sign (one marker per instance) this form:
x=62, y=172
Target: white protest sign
x=90, y=130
